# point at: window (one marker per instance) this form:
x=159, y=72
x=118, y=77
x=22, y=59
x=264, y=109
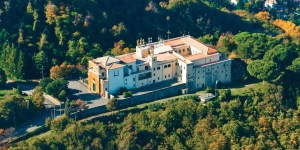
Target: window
x=188, y=74
x=153, y=74
x=102, y=74
x=157, y=78
x=138, y=69
x=168, y=75
x=130, y=66
x=169, y=65
x=188, y=49
x=133, y=79
x=165, y=66
x=183, y=50
x=179, y=51
x=198, y=77
x=176, y=74
x=153, y=69
x=105, y=89
x=146, y=67
x=198, y=71
x=125, y=83
x=116, y=72
x=158, y=68
x=125, y=79
x=142, y=83
x=153, y=59
x=176, y=51
x=165, y=76
x=210, y=60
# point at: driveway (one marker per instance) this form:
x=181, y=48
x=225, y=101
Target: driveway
x=80, y=91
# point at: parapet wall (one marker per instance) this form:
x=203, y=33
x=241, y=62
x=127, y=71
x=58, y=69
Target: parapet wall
x=139, y=99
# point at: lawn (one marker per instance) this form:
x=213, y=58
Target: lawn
x=4, y=92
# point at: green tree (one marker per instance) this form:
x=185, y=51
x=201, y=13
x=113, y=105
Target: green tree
x=18, y=90
x=44, y=82
x=3, y=79
x=112, y=105
x=55, y=87
x=279, y=54
x=262, y=69
x=62, y=96
x=38, y=97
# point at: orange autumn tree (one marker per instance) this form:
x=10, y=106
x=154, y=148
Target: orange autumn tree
x=65, y=71
x=263, y=15
x=289, y=27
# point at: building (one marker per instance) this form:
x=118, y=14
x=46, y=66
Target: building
x=182, y=59
x=269, y=4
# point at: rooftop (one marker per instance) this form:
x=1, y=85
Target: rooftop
x=165, y=56
x=114, y=66
x=127, y=58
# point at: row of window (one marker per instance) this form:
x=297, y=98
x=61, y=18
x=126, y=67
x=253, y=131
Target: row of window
x=183, y=50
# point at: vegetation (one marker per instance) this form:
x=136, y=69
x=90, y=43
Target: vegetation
x=3, y=79
x=56, y=39
x=257, y=121
x=38, y=97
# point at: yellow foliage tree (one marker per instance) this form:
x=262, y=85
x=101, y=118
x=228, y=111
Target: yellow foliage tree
x=263, y=15
x=289, y=27
x=51, y=11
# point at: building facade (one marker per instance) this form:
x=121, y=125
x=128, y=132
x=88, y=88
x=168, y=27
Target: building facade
x=183, y=59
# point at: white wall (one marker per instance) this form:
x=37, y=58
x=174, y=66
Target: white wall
x=130, y=82
x=115, y=82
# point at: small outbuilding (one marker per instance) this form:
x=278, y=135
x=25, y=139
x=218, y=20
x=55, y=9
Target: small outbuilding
x=206, y=96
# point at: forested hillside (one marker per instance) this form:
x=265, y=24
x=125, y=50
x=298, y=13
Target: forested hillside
x=39, y=34
x=256, y=121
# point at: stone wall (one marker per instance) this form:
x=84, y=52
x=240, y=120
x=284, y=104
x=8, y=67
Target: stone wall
x=152, y=96
x=139, y=99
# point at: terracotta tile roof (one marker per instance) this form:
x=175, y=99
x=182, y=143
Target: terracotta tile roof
x=126, y=58
x=211, y=51
x=165, y=56
x=114, y=66
x=174, y=42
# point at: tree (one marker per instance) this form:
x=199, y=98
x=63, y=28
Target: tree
x=279, y=54
x=44, y=82
x=3, y=79
x=18, y=90
x=55, y=87
x=112, y=105
x=262, y=69
x=62, y=96
x=78, y=105
x=38, y=97
x=264, y=15
x=226, y=44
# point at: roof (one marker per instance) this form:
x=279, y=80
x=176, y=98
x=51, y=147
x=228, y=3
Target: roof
x=211, y=51
x=174, y=42
x=127, y=58
x=195, y=43
x=162, y=49
x=196, y=56
x=106, y=60
x=114, y=66
x=165, y=56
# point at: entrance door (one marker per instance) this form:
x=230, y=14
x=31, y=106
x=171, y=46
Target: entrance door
x=94, y=87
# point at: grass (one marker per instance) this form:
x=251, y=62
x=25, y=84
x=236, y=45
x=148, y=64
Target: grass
x=7, y=91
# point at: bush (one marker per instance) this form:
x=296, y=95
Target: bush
x=209, y=90
x=60, y=123
x=127, y=94
x=122, y=90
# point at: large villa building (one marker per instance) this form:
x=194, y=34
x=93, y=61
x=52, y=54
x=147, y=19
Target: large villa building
x=182, y=59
